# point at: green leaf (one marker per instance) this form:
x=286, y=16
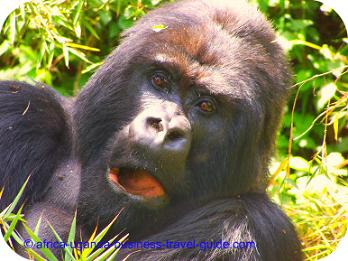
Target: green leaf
x=71, y=238
x=36, y=255
x=77, y=30
x=124, y=23
x=299, y=163
x=51, y=52
x=66, y=55
x=7, y=211
x=84, y=47
x=68, y=253
x=326, y=93
x=45, y=251
x=92, y=67
x=78, y=12
x=13, y=28
x=7, y=8
x=41, y=54
x=105, y=17
x=13, y=225
x=114, y=253
x=159, y=27
x=79, y=54
x=90, y=29
x=98, y=238
x=37, y=227
x=4, y=47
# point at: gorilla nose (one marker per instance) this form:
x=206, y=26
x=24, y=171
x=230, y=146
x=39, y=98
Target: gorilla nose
x=169, y=134
x=172, y=135
x=166, y=133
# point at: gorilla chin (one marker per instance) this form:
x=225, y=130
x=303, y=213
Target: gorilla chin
x=175, y=130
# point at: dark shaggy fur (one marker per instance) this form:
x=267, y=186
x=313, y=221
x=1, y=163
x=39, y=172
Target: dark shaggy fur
x=33, y=138
x=212, y=165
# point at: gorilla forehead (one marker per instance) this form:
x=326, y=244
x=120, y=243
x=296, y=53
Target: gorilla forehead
x=217, y=49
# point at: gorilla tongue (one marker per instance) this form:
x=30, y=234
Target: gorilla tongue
x=137, y=182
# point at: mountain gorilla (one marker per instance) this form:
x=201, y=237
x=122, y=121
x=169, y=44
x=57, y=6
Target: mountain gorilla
x=176, y=128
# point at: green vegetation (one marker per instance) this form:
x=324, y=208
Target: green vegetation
x=310, y=174
x=8, y=221
x=61, y=43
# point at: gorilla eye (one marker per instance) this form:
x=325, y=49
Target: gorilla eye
x=206, y=106
x=160, y=80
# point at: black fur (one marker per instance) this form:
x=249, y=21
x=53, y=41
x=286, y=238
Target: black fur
x=213, y=166
x=249, y=218
x=33, y=138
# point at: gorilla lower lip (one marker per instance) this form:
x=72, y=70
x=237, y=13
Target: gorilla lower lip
x=137, y=182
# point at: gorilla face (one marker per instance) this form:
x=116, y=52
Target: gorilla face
x=178, y=125
x=179, y=117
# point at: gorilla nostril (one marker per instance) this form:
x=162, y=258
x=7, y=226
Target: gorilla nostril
x=155, y=123
x=177, y=140
x=175, y=134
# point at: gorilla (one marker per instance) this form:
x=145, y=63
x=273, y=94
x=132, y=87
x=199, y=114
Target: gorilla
x=174, y=132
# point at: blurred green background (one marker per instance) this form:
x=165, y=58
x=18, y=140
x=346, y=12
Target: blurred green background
x=61, y=43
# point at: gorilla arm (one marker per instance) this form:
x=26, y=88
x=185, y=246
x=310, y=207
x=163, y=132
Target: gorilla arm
x=248, y=218
x=35, y=141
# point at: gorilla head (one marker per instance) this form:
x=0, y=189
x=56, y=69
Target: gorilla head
x=179, y=116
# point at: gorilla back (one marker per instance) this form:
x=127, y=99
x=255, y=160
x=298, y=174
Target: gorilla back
x=176, y=128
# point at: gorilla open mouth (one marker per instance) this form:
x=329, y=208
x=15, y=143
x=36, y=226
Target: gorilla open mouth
x=137, y=182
